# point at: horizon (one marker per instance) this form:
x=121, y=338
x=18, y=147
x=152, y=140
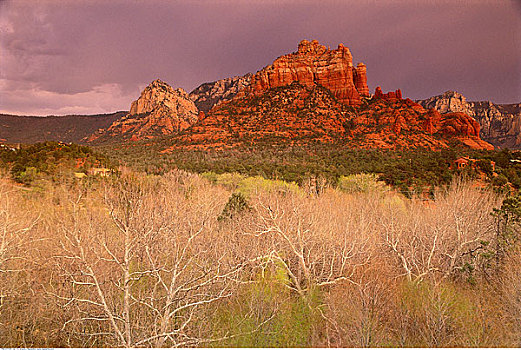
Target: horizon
x=54, y=61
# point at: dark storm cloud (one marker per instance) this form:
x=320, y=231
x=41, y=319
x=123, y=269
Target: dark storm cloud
x=94, y=56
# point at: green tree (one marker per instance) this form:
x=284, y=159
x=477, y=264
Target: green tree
x=508, y=226
x=236, y=204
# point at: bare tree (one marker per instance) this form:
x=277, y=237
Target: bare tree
x=147, y=271
x=14, y=227
x=312, y=248
x=438, y=239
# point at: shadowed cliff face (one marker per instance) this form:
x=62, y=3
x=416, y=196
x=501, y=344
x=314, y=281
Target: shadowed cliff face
x=500, y=123
x=206, y=95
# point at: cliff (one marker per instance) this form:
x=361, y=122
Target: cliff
x=160, y=110
x=500, y=123
x=206, y=95
x=314, y=64
x=312, y=95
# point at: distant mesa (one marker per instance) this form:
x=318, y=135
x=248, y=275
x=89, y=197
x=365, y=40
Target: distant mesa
x=69, y=128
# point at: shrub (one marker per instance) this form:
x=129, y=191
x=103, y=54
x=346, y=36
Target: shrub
x=499, y=181
x=249, y=185
x=360, y=183
x=508, y=226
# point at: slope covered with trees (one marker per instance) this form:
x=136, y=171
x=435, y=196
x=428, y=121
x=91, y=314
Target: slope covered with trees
x=49, y=160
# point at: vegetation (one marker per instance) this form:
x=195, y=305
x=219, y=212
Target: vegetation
x=49, y=160
x=416, y=171
x=225, y=260
x=269, y=247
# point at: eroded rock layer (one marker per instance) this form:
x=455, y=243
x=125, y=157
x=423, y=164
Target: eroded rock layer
x=160, y=110
x=314, y=64
x=500, y=123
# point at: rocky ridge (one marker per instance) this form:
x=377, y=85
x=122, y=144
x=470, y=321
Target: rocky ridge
x=314, y=64
x=160, y=110
x=299, y=115
x=312, y=95
x=206, y=95
x=500, y=123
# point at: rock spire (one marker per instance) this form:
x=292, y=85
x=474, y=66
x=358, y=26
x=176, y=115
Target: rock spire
x=314, y=64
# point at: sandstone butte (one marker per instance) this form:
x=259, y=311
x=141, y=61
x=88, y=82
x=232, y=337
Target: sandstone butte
x=160, y=110
x=314, y=64
x=312, y=95
x=297, y=115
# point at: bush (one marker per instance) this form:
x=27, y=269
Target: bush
x=249, y=185
x=283, y=270
x=499, y=181
x=360, y=183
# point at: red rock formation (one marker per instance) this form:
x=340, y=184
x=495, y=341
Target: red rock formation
x=314, y=64
x=300, y=116
x=301, y=99
x=391, y=95
x=160, y=110
x=460, y=124
x=360, y=78
x=432, y=121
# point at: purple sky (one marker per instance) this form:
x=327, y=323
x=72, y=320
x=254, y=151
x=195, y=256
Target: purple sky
x=86, y=57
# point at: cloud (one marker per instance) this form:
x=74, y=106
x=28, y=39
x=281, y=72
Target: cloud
x=71, y=48
x=104, y=98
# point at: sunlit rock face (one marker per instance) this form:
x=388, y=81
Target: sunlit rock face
x=500, y=124
x=315, y=64
x=160, y=110
x=314, y=95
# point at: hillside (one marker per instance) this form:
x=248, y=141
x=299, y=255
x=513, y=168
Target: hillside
x=70, y=128
x=500, y=123
x=51, y=160
x=298, y=115
x=315, y=94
